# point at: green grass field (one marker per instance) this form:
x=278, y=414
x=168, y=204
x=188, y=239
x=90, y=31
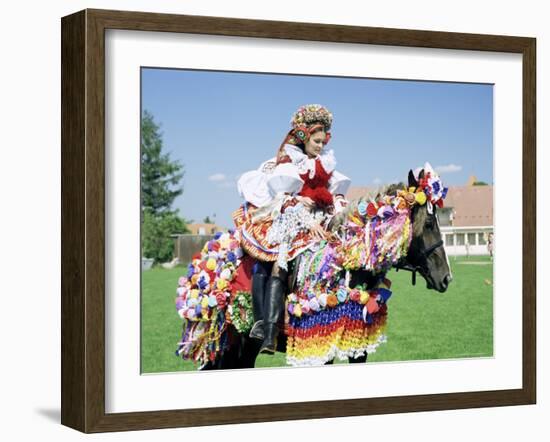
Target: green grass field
x=422, y=324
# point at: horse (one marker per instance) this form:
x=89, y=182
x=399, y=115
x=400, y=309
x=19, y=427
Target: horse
x=425, y=255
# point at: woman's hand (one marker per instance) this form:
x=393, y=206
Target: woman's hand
x=306, y=201
x=318, y=232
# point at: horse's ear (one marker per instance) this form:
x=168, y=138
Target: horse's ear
x=412, y=179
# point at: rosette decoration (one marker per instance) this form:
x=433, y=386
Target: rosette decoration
x=209, y=298
x=430, y=184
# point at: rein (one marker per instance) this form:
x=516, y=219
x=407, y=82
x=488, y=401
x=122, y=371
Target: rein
x=427, y=252
x=424, y=253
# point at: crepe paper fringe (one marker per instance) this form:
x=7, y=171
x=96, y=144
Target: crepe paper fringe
x=203, y=341
x=377, y=244
x=339, y=333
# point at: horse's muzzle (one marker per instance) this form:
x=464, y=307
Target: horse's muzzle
x=444, y=284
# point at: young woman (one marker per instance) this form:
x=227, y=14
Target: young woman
x=289, y=201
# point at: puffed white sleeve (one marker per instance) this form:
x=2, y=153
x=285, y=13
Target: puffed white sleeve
x=284, y=179
x=252, y=185
x=338, y=183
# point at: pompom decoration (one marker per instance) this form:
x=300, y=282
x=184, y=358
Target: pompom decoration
x=420, y=198
x=211, y=264
x=205, y=295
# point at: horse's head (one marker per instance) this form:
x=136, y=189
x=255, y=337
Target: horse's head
x=426, y=253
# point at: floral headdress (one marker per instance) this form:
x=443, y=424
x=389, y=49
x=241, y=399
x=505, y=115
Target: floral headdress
x=310, y=114
x=305, y=121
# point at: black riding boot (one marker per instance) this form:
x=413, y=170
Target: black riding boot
x=273, y=313
x=258, y=290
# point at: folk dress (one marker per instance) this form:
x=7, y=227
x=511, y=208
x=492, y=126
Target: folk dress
x=274, y=225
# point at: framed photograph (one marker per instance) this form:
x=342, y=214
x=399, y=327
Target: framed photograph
x=268, y=221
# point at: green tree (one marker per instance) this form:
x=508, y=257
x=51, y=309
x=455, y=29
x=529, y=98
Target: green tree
x=160, y=175
x=160, y=186
x=156, y=235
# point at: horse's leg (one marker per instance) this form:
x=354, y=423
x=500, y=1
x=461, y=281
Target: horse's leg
x=229, y=358
x=250, y=350
x=281, y=341
x=208, y=366
x=358, y=360
x=214, y=365
x=241, y=354
x=351, y=360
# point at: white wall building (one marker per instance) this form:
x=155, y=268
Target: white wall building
x=467, y=240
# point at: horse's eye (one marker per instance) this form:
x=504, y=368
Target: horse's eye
x=430, y=223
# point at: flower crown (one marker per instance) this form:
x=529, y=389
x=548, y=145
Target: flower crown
x=310, y=114
x=307, y=120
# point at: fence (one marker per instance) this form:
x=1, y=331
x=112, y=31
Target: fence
x=186, y=245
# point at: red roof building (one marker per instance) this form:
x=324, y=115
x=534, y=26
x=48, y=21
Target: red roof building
x=470, y=205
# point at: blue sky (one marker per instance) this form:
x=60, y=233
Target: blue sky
x=222, y=124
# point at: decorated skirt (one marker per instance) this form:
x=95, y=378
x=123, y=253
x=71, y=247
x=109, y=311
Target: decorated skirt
x=258, y=241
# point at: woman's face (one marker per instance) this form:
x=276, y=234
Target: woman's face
x=315, y=144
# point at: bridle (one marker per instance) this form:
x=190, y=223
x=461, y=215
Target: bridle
x=425, y=253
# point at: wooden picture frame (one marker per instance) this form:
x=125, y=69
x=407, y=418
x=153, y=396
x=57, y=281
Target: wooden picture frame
x=83, y=220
